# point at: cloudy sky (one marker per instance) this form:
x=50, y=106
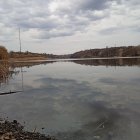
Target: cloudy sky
x=66, y=26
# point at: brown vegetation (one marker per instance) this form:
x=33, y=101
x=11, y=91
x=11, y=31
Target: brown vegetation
x=26, y=56
x=123, y=51
x=3, y=53
x=28, y=64
x=4, y=66
x=129, y=51
x=4, y=71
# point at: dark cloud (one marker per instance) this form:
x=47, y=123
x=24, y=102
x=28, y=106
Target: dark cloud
x=94, y=4
x=48, y=35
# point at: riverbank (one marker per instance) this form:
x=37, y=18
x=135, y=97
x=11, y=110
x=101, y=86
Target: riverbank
x=27, y=59
x=15, y=131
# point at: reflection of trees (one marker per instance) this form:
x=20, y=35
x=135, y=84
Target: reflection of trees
x=30, y=63
x=6, y=72
x=110, y=62
x=4, y=65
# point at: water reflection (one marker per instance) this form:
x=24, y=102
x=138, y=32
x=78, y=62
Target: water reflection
x=110, y=62
x=106, y=124
x=30, y=64
x=94, y=62
x=78, y=102
x=4, y=72
x=71, y=110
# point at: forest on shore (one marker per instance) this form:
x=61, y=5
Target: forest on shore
x=123, y=51
x=129, y=51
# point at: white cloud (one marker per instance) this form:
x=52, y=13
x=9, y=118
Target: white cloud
x=68, y=21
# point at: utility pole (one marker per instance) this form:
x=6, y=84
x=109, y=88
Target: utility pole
x=19, y=41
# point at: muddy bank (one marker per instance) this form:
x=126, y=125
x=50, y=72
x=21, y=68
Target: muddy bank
x=15, y=131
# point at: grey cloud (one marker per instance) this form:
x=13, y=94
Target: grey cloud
x=94, y=4
x=132, y=2
x=109, y=81
x=114, y=30
x=48, y=35
x=26, y=15
x=66, y=20
x=110, y=30
x=36, y=23
x=134, y=28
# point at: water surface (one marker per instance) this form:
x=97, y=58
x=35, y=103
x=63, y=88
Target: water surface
x=76, y=100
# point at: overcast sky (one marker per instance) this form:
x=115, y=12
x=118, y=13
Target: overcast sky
x=67, y=26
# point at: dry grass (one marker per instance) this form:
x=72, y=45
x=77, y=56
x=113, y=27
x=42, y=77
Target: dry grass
x=3, y=53
x=27, y=59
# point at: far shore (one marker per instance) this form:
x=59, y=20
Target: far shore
x=27, y=59
x=36, y=59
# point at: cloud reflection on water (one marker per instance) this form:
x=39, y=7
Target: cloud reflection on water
x=70, y=109
x=79, y=110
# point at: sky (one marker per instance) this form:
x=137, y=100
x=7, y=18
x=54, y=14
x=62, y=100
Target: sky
x=67, y=26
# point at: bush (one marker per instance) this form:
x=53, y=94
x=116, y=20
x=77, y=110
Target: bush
x=3, y=53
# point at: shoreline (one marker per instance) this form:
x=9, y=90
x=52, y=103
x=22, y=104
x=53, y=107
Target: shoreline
x=15, y=131
x=38, y=59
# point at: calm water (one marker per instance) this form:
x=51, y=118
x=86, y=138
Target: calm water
x=79, y=100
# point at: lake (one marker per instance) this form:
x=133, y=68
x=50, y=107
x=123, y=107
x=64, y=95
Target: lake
x=76, y=99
